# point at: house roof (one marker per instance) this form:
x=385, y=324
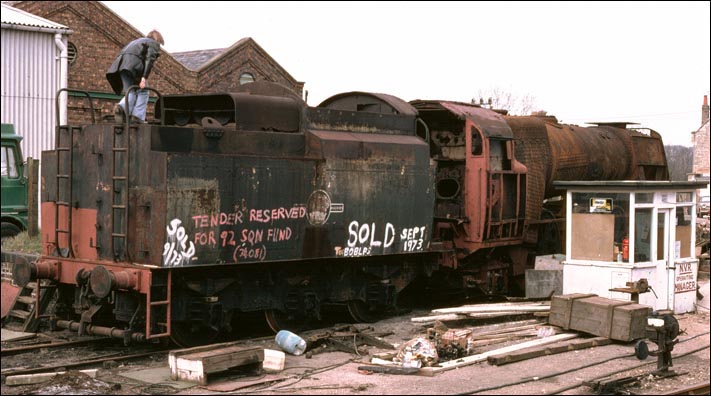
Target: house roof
x=201, y=59
x=18, y=19
x=193, y=60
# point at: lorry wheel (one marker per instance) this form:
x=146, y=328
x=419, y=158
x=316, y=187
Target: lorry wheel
x=9, y=230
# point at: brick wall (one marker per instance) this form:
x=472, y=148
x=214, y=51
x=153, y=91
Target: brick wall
x=99, y=35
x=701, y=150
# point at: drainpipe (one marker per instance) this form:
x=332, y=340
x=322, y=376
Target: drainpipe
x=59, y=42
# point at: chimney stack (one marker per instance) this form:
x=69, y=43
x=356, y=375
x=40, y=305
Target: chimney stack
x=705, y=111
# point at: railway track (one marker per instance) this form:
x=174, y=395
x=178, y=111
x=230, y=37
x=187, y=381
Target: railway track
x=76, y=354
x=611, y=382
x=49, y=344
x=86, y=352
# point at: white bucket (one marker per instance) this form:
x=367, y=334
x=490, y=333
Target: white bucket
x=273, y=361
x=290, y=342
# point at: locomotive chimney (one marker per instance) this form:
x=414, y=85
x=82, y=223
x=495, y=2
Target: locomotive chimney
x=705, y=111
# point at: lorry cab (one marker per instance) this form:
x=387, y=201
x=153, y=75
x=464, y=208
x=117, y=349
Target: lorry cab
x=14, y=184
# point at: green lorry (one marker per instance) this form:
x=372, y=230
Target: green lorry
x=14, y=184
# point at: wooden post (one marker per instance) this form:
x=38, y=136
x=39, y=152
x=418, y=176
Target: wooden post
x=32, y=193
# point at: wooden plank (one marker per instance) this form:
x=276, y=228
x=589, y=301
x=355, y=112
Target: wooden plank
x=506, y=330
x=505, y=304
x=468, y=360
x=28, y=379
x=194, y=364
x=224, y=361
x=498, y=340
x=501, y=314
x=505, y=325
x=433, y=318
x=490, y=309
x=390, y=369
x=543, y=350
x=32, y=188
x=174, y=354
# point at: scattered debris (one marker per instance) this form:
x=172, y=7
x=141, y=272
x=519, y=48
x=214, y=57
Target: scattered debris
x=447, y=348
x=347, y=339
x=72, y=383
x=452, y=364
x=418, y=352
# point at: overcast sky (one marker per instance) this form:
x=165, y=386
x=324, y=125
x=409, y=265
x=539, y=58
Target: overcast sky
x=644, y=62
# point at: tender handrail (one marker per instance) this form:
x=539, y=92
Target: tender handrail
x=88, y=96
x=129, y=110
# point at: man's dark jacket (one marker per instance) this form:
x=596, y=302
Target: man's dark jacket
x=138, y=58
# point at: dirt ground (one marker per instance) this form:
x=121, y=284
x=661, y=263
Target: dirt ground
x=337, y=373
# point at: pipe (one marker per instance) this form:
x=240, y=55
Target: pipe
x=63, y=62
x=101, y=330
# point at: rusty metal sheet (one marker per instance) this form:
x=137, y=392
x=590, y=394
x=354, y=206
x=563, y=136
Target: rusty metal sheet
x=344, y=145
x=369, y=102
x=251, y=209
x=491, y=123
x=238, y=110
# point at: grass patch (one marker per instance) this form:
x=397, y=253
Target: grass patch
x=23, y=243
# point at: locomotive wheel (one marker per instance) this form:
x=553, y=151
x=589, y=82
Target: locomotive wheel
x=186, y=335
x=361, y=312
x=278, y=320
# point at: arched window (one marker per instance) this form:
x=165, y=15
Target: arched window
x=246, y=78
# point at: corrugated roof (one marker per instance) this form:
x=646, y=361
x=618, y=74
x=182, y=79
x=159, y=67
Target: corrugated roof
x=13, y=16
x=193, y=60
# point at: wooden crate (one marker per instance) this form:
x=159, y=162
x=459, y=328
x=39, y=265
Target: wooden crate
x=194, y=364
x=589, y=313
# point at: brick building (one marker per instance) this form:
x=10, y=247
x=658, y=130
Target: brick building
x=99, y=34
x=700, y=139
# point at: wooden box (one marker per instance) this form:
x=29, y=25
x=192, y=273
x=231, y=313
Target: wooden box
x=589, y=313
x=194, y=364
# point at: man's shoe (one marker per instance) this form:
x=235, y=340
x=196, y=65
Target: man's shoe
x=136, y=120
x=118, y=114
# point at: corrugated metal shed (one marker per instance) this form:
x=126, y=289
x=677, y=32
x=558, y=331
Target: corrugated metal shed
x=31, y=76
x=13, y=16
x=33, y=67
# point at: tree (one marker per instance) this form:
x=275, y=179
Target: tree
x=680, y=161
x=497, y=98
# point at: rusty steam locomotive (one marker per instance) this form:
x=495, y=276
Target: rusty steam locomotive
x=253, y=202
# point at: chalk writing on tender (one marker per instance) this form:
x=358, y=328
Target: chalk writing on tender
x=177, y=250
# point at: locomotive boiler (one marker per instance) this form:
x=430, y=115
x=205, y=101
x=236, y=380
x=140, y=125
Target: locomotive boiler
x=250, y=202
x=495, y=206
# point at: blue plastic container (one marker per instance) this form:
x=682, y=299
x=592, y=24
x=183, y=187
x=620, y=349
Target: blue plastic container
x=290, y=342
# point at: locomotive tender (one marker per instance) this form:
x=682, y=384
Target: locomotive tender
x=252, y=201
